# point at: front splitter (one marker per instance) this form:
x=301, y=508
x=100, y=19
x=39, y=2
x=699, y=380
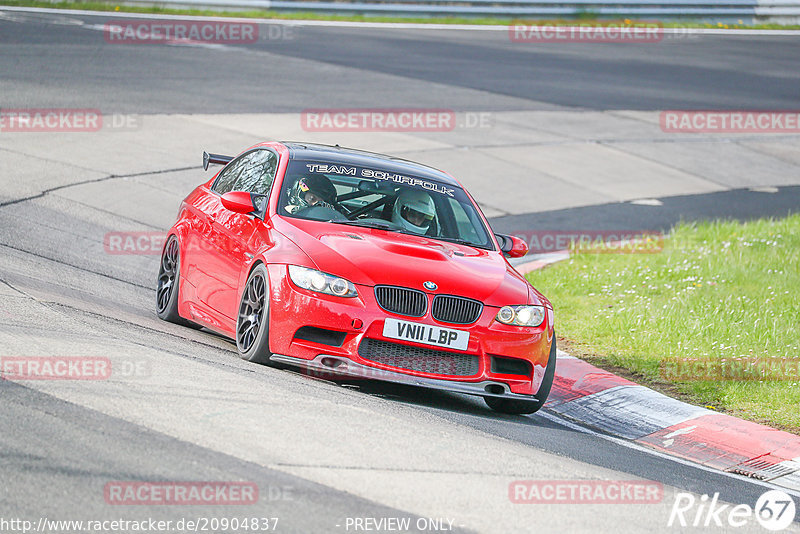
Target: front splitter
x=336, y=366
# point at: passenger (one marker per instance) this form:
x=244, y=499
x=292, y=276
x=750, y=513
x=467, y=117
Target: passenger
x=414, y=211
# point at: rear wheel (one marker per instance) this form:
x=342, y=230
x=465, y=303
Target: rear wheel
x=520, y=407
x=168, y=284
x=252, y=323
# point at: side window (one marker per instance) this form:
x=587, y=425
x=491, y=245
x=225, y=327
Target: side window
x=259, y=172
x=227, y=178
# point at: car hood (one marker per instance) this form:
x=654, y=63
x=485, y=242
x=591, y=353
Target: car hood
x=372, y=257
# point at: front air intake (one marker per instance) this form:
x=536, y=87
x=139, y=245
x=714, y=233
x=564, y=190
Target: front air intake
x=419, y=359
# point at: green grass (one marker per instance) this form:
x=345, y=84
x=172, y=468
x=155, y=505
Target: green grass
x=719, y=291
x=585, y=17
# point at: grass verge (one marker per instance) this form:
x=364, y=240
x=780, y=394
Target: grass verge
x=584, y=18
x=720, y=301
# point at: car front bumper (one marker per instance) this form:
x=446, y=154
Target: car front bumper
x=356, y=319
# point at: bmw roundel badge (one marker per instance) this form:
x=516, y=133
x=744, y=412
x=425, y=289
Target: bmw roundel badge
x=430, y=286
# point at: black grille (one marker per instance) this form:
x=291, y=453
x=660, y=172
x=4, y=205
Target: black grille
x=457, y=310
x=418, y=359
x=401, y=301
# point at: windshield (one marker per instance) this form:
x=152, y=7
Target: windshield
x=372, y=197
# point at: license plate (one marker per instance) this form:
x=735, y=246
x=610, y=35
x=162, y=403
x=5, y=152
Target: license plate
x=427, y=334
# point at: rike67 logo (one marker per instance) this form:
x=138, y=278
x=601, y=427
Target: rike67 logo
x=774, y=510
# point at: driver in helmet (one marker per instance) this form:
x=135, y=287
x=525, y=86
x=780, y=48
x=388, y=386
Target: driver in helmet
x=309, y=191
x=414, y=211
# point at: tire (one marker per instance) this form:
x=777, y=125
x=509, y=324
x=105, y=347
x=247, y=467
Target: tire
x=252, y=320
x=522, y=407
x=168, y=285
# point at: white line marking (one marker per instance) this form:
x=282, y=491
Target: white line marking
x=669, y=442
x=681, y=431
x=647, y=202
x=366, y=25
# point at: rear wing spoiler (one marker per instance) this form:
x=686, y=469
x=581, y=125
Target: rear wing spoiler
x=215, y=159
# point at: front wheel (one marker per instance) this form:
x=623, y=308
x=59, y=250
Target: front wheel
x=523, y=407
x=252, y=323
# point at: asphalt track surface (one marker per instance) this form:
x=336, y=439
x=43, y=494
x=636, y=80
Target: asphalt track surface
x=320, y=452
x=738, y=204
x=294, y=68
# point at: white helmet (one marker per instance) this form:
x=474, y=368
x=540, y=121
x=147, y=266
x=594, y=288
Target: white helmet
x=413, y=211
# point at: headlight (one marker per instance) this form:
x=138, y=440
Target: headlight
x=320, y=282
x=521, y=315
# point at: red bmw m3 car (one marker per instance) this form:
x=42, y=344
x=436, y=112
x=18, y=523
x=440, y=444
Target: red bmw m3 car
x=355, y=264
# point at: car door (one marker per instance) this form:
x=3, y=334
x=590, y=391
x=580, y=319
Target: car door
x=231, y=232
x=202, y=247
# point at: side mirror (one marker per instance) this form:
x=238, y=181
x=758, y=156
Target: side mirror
x=512, y=246
x=238, y=201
